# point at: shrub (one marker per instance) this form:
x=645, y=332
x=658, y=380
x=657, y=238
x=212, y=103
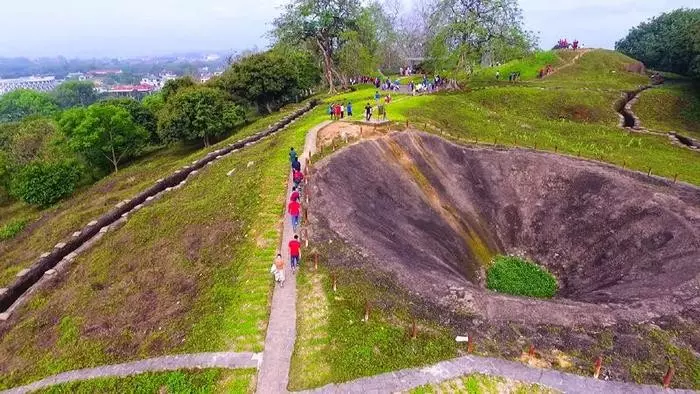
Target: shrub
x=517, y=276
x=44, y=184
x=12, y=228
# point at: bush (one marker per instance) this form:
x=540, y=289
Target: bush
x=517, y=276
x=11, y=229
x=44, y=184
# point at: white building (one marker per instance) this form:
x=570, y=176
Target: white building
x=40, y=84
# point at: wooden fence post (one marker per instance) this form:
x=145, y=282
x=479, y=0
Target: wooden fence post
x=669, y=375
x=316, y=261
x=414, y=329
x=596, y=367
x=368, y=307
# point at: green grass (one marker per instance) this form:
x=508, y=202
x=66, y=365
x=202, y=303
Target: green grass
x=598, y=69
x=12, y=228
x=671, y=107
x=335, y=345
x=59, y=222
x=482, y=384
x=528, y=67
x=188, y=273
x=517, y=276
x=186, y=381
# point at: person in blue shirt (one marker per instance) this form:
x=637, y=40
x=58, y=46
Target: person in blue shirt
x=349, y=108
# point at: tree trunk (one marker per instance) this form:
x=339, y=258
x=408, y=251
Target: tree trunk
x=268, y=108
x=114, y=160
x=327, y=65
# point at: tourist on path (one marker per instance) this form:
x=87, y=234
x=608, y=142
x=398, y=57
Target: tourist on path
x=294, y=209
x=349, y=109
x=297, y=177
x=342, y=111
x=294, y=253
x=296, y=165
x=330, y=111
x=292, y=155
x=278, y=270
x=295, y=194
x=377, y=96
x=368, y=112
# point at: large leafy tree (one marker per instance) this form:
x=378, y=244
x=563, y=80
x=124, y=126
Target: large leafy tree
x=140, y=113
x=173, y=86
x=105, y=134
x=271, y=78
x=464, y=31
x=17, y=105
x=75, y=93
x=198, y=113
x=323, y=25
x=669, y=42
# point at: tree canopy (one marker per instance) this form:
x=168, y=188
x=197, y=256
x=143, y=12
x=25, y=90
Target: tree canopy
x=103, y=133
x=198, y=113
x=75, y=93
x=17, y=105
x=669, y=42
x=172, y=86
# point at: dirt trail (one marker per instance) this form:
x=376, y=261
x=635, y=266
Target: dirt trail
x=569, y=63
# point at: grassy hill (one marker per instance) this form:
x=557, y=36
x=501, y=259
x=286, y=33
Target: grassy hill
x=674, y=106
x=189, y=273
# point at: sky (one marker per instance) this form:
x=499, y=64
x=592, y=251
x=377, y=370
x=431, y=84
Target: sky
x=132, y=28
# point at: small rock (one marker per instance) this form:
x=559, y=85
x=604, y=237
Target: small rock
x=159, y=180
x=250, y=164
x=149, y=199
x=183, y=183
x=23, y=272
x=44, y=255
x=50, y=272
x=126, y=215
x=230, y=172
x=195, y=162
x=104, y=229
x=4, y=316
x=76, y=234
x=60, y=245
x=193, y=173
x=94, y=222
x=3, y=291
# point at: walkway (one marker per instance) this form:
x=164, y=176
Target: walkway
x=281, y=331
x=166, y=363
x=410, y=378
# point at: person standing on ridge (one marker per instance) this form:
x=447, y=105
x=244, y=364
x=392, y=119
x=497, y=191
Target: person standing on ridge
x=294, y=253
x=377, y=96
x=292, y=155
x=294, y=209
x=368, y=112
x=349, y=109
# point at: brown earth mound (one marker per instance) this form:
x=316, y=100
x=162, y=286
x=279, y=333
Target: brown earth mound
x=622, y=245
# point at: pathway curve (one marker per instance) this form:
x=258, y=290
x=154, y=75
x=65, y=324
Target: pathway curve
x=410, y=378
x=166, y=363
x=281, y=330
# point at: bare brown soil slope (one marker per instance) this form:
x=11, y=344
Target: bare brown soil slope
x=622, y=245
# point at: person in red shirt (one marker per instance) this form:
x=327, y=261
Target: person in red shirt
x=297, y=177
x=295, y=194
x=294, y=208
x=295, y=252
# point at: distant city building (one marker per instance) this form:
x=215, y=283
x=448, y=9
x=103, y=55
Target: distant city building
x=40, y=84
x=103, y=73
x=134, y=91
x=76, y=76
x=212, y=58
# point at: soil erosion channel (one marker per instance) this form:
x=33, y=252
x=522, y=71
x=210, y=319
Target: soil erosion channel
x=624, y=246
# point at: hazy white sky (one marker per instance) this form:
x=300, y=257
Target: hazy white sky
x=88, y=28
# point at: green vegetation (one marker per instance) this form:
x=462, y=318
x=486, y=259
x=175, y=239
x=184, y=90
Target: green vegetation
x=517, y=276
x=186, y=274
x=12, y=228
x=528, y=67
x=671, y=107
x=598, y=69
x=195, y=381
x=44, y=184
x=17, y=105
x=335, y=345
x=75, y=94
x=669, y=42
x=482, y=384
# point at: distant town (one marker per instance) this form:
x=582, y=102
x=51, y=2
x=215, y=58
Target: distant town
x=137, y=79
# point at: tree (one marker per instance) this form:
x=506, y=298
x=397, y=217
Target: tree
x=320, y=23
x=154, y=103
x=44, y=183
x=75, y=93
x=271, y=78
x=103, y=133
x=31, y=141
x=669, y=42
x=464, y=31
x=17, y=105
x=172, y=86
x=198, y=113
x=140, y=114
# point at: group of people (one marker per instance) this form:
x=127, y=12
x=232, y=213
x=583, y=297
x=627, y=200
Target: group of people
x=294, y=211
x=427, y=85
x=338, y=111
x=405, y=71
x=564, y=44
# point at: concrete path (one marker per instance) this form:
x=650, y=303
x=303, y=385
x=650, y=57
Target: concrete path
x=281, y=330
x=167, y=363
x=410, y=378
